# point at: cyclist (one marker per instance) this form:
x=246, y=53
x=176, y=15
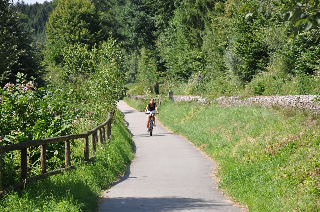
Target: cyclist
x=151, y=108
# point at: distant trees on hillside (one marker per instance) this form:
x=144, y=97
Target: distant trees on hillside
x=17, y=52
x=34, y=17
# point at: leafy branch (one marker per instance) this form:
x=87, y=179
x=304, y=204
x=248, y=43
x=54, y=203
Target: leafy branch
x=304, y=16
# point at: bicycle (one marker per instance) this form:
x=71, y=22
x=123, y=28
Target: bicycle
x=150, y=123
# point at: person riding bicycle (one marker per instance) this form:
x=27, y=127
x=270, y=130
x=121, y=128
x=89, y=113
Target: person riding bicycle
x=151, y=108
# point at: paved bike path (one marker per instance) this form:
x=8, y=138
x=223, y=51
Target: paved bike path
x=167, y=174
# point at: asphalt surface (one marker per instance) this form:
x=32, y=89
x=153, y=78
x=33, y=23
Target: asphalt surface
x=167, y=174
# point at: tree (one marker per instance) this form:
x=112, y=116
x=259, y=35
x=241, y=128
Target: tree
x=16, y=50
x=148, y=75
x=180, y=43
x=71, y=22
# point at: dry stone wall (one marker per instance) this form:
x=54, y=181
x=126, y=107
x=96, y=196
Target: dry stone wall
x=306, y=102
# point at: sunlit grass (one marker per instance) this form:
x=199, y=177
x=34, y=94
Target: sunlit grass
x=268, y=158
x=138, y=104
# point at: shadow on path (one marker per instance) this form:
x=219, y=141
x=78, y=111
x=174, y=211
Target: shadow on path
x=129, y=111
x=153, y=135
x=160, y=204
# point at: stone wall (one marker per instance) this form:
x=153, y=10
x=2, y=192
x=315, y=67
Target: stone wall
x=189, y=99
x=307, y=102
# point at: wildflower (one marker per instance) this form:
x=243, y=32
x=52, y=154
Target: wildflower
x=30, y=84
x=75, y=121
x=6, y=85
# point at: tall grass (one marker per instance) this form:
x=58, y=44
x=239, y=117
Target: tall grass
x=268, y=159
x=78, y=189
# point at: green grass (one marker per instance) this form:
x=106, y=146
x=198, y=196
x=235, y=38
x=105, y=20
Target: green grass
x=78, y=189
x=138, y=104
x=268, y=159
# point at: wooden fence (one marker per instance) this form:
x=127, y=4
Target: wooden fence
x=102, y=129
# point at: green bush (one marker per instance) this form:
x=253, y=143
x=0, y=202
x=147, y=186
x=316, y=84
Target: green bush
x=303, y=52
x=31, y=113
x=136, y=89
x=272, y=83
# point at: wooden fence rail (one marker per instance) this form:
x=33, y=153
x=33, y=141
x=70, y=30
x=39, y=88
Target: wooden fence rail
x=43, y=143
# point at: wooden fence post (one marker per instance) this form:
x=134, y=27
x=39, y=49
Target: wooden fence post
x=94, y=138
x=24, y=163
x=101, y=135
x=86, y=149
x=104, y=134
x=67, y=153
x=43, y=159
x=109, y=130
x=171, y=96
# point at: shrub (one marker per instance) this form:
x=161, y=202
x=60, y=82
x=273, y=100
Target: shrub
x=31, y=113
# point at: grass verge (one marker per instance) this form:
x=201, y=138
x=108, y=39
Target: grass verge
x=138, y=104
x=78, y=189
x=268, y=159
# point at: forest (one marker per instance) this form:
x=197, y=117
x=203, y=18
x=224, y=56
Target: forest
x=237, y=47
x=65, y=63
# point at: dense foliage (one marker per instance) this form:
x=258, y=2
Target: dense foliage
x=232, y=44
x=17, y=52
x=71, y=22
x=31, y=113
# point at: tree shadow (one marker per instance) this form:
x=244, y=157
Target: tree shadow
x=162, y=204
x=129, y=111
x=153, y=135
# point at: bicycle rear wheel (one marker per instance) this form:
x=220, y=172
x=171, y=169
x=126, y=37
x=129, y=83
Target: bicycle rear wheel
x=151, y=126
